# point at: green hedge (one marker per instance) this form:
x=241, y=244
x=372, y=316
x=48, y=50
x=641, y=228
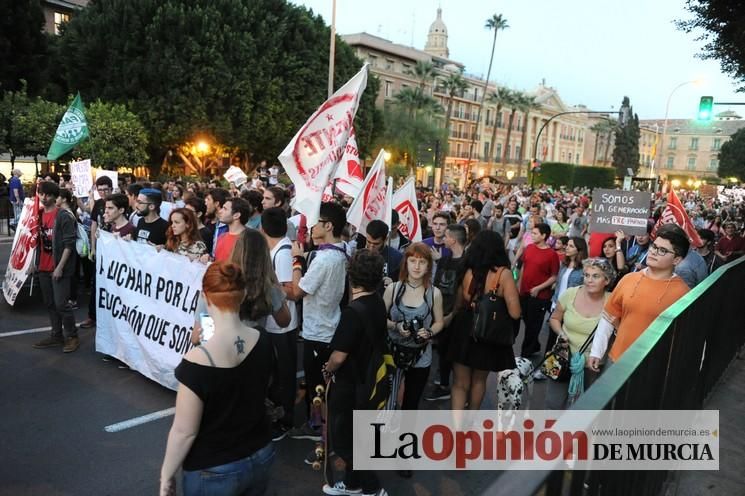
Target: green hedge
x=561, y=174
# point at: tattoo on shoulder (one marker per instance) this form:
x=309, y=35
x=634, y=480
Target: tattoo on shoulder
x=239, y=345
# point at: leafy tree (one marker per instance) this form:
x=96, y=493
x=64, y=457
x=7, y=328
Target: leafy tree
x=732, y=157
x=604, y=131
x=626, y=151
x=514, y=102
x=500, y=97
x=424, y=71
x=246, y=73
x=453, y=85
x=27, y=125
x=722, y=24
x=23, y=45
x=117, y=137
x=527, y=104
x=406, y=131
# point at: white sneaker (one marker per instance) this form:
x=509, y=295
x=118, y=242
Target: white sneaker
x=339, y=489
x=381, y=492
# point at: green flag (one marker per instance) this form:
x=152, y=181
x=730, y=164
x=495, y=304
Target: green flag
x=72, y=129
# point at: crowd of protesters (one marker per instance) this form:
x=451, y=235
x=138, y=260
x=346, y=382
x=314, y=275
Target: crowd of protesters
x=535, y=249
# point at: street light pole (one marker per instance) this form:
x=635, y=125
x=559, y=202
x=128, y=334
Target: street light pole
x=664, y=124
x=332, y=48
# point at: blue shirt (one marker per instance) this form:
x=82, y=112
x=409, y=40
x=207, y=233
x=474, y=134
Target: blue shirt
x=692, y=269
x=444, y=251
x=15, y=185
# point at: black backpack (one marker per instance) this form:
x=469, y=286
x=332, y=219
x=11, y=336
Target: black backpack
x=373, y=392
x=492, y=323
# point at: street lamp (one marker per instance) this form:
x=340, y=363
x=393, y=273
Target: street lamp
x=387, y=156
x=203, y=147
x=697, y=82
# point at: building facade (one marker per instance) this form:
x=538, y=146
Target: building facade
x=58, y=12
x=690, y=147
x=563, y=139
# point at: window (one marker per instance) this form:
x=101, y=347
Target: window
x=713, y=164
x=59, y=20
x=509, y=148
x=673, y=143
x=670, y=162
x=517, y=151
x=388, y=89
x=499, y=151
x=717, y=144
x=694, y=144
x=569, y=157
x=373, y=60
x=486, y=149
x=691, y=163
x=407, y=68
x=389, y=64
x=488, y=117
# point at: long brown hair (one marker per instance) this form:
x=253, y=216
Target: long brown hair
x=420, y=250
x=251, y=254
x=191, y=232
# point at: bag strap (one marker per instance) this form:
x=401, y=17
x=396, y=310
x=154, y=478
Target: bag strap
x=587, y=342
x=209, y=357
x=274, y=258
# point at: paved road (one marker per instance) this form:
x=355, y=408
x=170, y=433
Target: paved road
x=55, y=407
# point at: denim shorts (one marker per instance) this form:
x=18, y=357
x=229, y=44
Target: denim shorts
x=245, y=477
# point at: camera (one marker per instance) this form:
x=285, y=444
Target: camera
x=414, y=326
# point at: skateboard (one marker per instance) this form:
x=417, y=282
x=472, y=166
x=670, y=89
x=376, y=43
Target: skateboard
x=319, y=413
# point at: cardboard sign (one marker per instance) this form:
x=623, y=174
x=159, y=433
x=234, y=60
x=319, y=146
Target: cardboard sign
x=81, y=177
x=236, y=176
x=614, y=210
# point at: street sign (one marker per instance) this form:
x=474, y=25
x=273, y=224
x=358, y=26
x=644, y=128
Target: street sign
x=614, y=210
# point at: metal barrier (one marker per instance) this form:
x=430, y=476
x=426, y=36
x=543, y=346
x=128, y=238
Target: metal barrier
x=674, y=365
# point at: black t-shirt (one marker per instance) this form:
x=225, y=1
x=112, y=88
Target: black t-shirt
x=97, y=212
x=351, y=338
x=234, y=422
x=446, y=279
x=151, y=232
x=207, y=233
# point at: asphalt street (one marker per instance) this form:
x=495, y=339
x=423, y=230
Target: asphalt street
x=55, y=408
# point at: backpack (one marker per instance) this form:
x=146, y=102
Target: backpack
x=82, y=241
x=376, y=388
x=492, y=323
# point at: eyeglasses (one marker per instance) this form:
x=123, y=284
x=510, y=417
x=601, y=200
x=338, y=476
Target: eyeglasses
x=659, y=250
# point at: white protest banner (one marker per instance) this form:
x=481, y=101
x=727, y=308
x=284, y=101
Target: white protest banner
x=404, y=202
x=313, y=154
x=23, y=250
x=81, y=176
x=349, y=175
x=145, y=305
x=236, y=176
x=370, y=203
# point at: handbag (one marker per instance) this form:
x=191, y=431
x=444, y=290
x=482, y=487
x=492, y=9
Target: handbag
x=556, y=365
x=405, y=350
x=492, y=323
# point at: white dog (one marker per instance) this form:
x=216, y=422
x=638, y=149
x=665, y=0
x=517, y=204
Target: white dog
x=511, y=384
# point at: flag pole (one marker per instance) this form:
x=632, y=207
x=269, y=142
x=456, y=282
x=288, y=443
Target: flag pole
x=332, y=49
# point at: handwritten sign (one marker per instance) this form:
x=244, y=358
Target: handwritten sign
x=81, y=177
x=236, y=176
x=614, y=210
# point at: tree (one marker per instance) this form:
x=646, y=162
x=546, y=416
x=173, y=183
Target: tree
x=117, y=137
x=526, y=105
x=424, y=71
x=496, y=23
x=513, y=103
x=603, y=133
x=27, y=125
x=500, y=97
x=453, y=85
x=626, y=151
x=246, y=73
x=722, y=24
x=23, y=45
x=732, y=157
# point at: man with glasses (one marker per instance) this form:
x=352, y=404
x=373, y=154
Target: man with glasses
x=152, y=227
x=104, y=187
x=640, y=297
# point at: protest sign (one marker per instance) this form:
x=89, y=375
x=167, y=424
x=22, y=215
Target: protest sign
x=614, y=210
x=114, y=175
x=371, y=202
x=313, y=154
x=81, y=177
x=236, y=176
x=23, y=250
x=145, y=306
x=404, y=202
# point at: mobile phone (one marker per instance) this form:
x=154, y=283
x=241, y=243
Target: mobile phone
x=208, y=326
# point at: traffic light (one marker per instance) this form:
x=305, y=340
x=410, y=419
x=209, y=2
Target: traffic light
x=705, y=108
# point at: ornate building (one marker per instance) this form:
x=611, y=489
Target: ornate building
x=561, y=140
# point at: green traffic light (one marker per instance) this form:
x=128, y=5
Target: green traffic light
x=705, y=108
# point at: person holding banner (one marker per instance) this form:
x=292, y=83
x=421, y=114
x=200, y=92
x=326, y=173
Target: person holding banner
x=221, y=433
x=113, y=215
x=55, y=267
x=152, y=227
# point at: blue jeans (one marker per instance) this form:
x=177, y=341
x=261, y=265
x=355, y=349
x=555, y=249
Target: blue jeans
x=245, y=477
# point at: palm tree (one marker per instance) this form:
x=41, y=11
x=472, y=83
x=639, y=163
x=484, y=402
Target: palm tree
x=513, y=103
x=454, y=84
x=500, y=97
x=424, y=71
x=527, y=104
x=497, y=23
x=408, y=99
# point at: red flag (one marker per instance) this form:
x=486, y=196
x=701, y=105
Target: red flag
x=675, y=212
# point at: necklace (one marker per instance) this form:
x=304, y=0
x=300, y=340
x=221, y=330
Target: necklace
x=412, y=286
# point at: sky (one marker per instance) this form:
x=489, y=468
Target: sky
x=594, y=52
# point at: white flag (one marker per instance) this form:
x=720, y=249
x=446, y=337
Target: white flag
x=388, y=208
x=313, y=154
x=370, y=204
x=404, y=202
x=349, y=175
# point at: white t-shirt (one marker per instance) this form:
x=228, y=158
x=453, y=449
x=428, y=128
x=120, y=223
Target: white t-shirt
x=324, y=285
x=282, y=260
x=165, y=210
x=273, y=175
